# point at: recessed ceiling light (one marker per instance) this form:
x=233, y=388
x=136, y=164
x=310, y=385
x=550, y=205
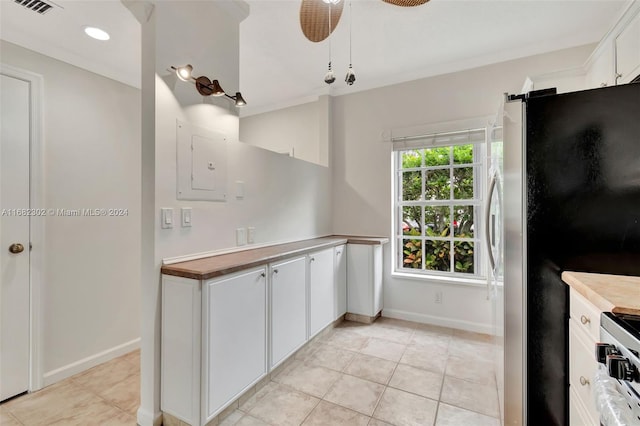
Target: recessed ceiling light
x=97, y=33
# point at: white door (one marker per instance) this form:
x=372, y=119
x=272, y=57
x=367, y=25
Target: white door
x=14, y=236
x=321, y=290
x=288, y=308
x=235, y=336
x=340, y=282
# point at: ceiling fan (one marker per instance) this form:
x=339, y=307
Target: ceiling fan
x=314, y=16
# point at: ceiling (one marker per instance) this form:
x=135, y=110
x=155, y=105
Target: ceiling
x=391, y=44
x=59, y=33
x=279, y=66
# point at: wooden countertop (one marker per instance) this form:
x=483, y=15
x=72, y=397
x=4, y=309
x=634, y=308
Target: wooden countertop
x=610, y=293
x=214, y=266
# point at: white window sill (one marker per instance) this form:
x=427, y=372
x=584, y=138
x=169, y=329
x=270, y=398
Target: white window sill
x=472, y=282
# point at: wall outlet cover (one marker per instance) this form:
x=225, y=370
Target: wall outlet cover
x=185, y=214
x=241, y=236
x=166, y=218
x=251, y=235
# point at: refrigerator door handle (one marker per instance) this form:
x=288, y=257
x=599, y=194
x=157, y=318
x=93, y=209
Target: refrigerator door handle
x=487, y=217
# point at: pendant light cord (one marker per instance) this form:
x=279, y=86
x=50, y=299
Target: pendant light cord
x=329, y=36
x=350, y=30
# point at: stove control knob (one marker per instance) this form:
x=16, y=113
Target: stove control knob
x=620, y=368
x=604, y=349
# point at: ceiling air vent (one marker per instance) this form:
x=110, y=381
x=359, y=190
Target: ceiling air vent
x=36, y=5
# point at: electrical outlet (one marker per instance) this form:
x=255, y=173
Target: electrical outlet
x=241, y=236
x=251, y=235
x=438, y=296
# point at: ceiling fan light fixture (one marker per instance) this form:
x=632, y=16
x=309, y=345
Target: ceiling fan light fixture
x=184, y=73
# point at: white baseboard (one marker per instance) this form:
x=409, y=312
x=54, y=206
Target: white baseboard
x=146, y=418
x=54, y=376
x=440, y=321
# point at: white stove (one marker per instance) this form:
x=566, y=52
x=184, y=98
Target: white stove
x=617, y=382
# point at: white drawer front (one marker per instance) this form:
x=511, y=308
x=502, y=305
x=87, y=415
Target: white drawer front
x=582, y=367
x=578, y=415
x=585, y=314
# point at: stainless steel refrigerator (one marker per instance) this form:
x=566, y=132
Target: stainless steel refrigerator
x=567, y=198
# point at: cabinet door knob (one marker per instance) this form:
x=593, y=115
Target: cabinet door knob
x=275, y=271
x=618, y=75
x=263, y=275
x=313, y=259
x=583, y=381
x=16, y=248
x=584, y=320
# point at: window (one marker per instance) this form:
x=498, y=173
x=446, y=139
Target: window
x=438, y=181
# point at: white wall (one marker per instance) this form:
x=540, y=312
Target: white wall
x=300, y=130
x=91, y=277
x=285, y=198
x=362, y=167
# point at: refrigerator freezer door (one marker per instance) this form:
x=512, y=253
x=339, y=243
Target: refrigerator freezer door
x=493, y=223
x=514, y=266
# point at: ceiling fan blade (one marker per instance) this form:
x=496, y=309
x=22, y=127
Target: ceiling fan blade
x=406, y=3
x=314, y=19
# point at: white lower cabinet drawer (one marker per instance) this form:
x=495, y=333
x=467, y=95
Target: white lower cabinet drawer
x=582, y=367
x=578, y=415
x=586, y=315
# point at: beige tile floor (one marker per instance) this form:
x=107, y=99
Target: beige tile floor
x=106, y=395
x=388, y=373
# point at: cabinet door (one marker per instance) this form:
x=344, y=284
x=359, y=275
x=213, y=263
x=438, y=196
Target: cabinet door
x=364, y=279
x=235, y=347
x=340, y=282
x=321, y=290
x=288, y=308
x=628, y=52
x=582, y=367
x=601, y=72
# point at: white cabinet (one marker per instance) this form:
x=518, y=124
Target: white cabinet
x=601, y=71
x=364, y=279
x=628, y=51
x=235, y=345
x=321, y=290
x=288, y=308
x=213, y=342
x=340, y=282
x=584, y=332
x=616, y=60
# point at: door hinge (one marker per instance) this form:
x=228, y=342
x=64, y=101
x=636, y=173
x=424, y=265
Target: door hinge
x=30, y=246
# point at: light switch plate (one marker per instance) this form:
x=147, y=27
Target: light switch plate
x=241, y=237
x=251, y=235
x=239, y=189
x=185, y=213
x=166, y=218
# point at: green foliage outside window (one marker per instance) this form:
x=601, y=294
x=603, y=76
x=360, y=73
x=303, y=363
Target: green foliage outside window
x=439, y=221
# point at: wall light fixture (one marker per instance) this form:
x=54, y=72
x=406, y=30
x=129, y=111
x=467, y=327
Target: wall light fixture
x=205, y=86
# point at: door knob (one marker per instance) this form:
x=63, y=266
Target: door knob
x=16, y=248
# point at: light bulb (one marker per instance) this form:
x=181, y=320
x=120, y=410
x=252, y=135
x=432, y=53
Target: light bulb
x=97, y=33
x=184, y=73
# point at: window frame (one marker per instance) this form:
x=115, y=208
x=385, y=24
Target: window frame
x=478, y=203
